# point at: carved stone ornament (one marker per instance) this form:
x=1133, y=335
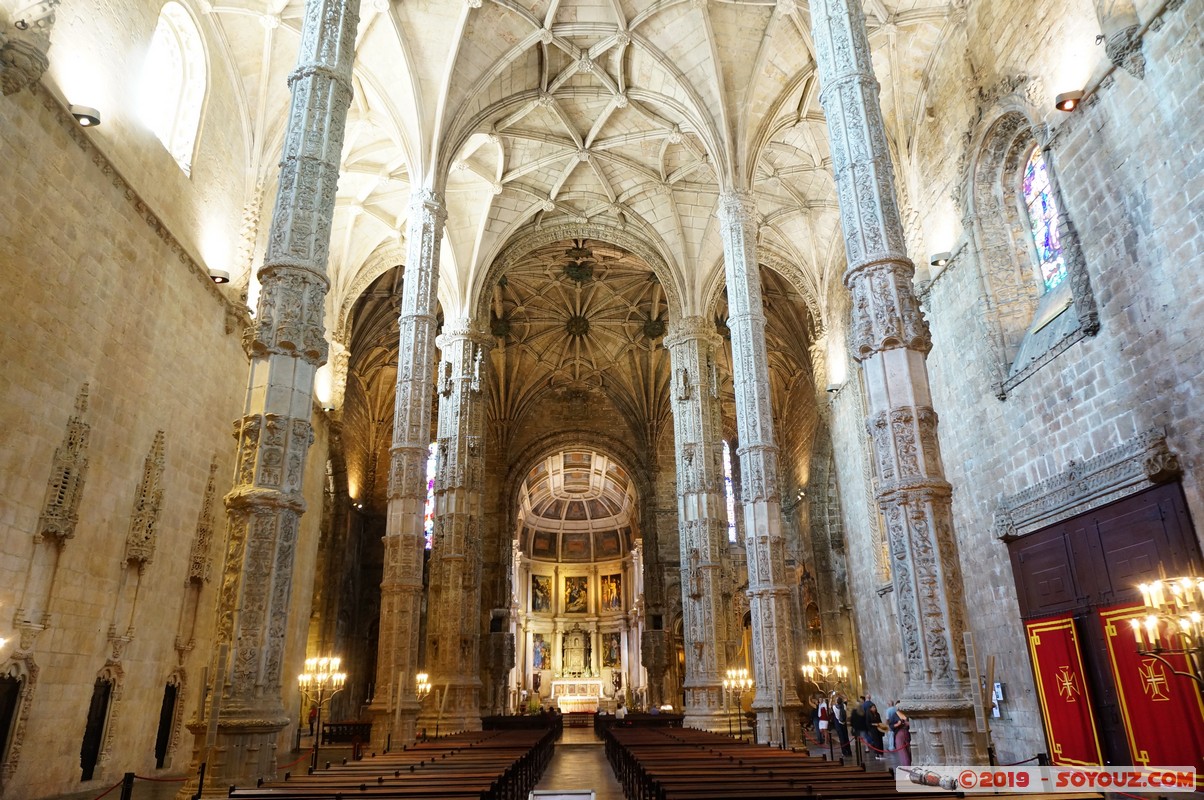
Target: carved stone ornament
x=23, y=47
x=60, y=511
x=1138, y=464
x=1124, y=51
x=144, y=518
x=200, y=560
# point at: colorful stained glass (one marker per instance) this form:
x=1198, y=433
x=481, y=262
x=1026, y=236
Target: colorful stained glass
x=1043, y=219
x=428, y=520
x=731, y=495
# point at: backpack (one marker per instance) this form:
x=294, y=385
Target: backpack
x=857, y=719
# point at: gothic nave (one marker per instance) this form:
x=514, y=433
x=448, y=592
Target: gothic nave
x=577, y=353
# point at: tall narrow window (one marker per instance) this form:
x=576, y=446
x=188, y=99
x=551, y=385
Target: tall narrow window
x=729, y=493
x=1042, y=211
x=428, y=519
x=10, y=698
x=173, y=83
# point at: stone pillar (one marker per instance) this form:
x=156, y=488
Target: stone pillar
x=702, y=517
x=890, y=339
x=287, y=344
x=454, y=616
x=394, y=709
x=768, y=584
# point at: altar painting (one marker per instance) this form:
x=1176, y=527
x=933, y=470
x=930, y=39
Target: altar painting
x=576, y=594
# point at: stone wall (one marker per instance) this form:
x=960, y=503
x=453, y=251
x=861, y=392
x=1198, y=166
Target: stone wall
x=98, y=291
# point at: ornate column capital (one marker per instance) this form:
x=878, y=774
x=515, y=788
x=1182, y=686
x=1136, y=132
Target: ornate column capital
x=688, y=329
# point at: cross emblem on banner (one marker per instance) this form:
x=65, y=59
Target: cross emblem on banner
x=1068, y=685
x=1153, y=679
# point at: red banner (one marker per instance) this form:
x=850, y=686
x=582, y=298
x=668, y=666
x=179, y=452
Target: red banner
x=1163, y=712
x=1062, y=689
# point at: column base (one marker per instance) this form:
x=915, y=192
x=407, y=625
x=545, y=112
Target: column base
x=244, y=751
x=943, y=730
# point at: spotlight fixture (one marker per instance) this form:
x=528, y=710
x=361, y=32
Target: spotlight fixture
x=1068, y=101
x=833, y=388
x=219, y=275
x=86, y=116
x=940, y=259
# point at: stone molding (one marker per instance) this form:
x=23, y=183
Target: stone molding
x=23, y=48
x=143, y=534
x=1140, y=463
x=60, y=511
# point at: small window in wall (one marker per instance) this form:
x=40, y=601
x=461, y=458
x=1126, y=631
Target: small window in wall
x=173, y=83
x=10, y=697
x=167, y=715
x=1042, y=210
x=428, y=517
x=94, y=729
x=729, y=493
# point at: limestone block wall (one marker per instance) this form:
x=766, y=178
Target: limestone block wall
x=1132, y=179
x=97, y=55
x=94, y=294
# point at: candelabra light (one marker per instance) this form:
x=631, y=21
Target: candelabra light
x=424, y=685
x=1174, y=623
x=735, y=685
x=823, y=667
x=319, y=683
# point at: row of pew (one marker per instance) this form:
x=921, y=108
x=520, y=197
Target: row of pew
x=688, y=764
x=477, y=765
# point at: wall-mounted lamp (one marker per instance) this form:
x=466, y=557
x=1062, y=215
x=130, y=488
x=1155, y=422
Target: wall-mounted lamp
x=1068, y=101
x=86, y=116
x=833, y=388
x=219, y=276
x=940, y=259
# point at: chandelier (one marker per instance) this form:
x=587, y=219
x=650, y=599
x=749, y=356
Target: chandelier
x=1174, y=623
x=824, y=667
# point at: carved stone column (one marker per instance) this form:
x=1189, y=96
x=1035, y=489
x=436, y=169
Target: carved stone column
x=286, y=344
x=890, y=339
x=702, y=518
x=768, y=584
x=454, y=618
x=394, y=708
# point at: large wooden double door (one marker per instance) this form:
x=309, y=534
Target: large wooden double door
x=1075, y=578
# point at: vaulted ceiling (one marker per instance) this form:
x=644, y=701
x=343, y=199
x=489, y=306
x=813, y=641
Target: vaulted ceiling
x=609, y=126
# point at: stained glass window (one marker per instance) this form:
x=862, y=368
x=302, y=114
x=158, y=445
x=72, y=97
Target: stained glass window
x=731, y=495
x=173, y=83
x=428, y=519
x=1043, y=219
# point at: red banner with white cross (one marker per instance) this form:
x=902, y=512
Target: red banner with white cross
x=1061, y=687
x=1163, y=712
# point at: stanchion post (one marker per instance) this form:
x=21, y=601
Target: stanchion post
x=200, y=782
x=127, y=786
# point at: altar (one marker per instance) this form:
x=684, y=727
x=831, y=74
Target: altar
x=577, y=694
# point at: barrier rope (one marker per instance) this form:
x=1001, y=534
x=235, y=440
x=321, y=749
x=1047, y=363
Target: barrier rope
x=1018, y=763
x=111, y=788
x=870, y=746
x=304, y=756
x=160, y=780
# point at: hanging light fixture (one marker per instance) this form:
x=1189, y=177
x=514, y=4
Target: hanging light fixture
x=1174, y=623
